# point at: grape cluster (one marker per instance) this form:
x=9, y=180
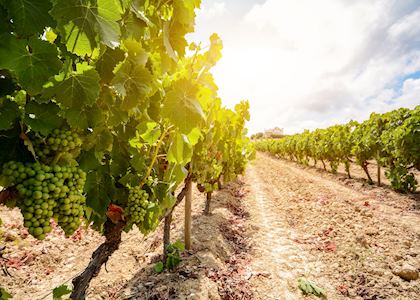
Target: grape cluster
x=138, y=200
x=150, y=181
x=47, y=191
x=58, y=141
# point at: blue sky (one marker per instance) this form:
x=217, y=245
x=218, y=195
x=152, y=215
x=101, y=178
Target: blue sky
x=308, y=64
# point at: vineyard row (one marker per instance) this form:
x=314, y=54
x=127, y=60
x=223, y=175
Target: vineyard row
x=391, y=139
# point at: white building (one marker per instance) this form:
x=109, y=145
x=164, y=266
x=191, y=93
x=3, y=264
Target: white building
x=276, y=131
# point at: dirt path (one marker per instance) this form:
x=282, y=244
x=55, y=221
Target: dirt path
x=348, y=241
x=274, y=251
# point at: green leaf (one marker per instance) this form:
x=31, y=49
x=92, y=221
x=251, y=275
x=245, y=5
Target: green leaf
x=5, y=24
x=99, y=189
x=88, y=117
x=42, y=118
x=181, y=106
x=167, y=42
x=179, y=245
x=138, y=163
x=4, y=295
x=159, y=267
x=50, y=35
x=180, y=151
x=60, y=291
x=176, y=174
x=88, y=161
x=7, y=83
x=107, y=63
x=309, y=287
x=149, y=132
x=33, y=62
x=9, y=112
x=129, y=179
x=15, y=149
x=80, y=88
x=133, y=83
x=104, y=140
x=29, y=16
x=84, y=23
x=194, y=136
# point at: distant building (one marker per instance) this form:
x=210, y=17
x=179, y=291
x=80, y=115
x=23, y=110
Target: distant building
x=274, y=132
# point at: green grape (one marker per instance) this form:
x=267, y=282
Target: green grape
x=43, y=194
x=138, y=201
x=59, y=141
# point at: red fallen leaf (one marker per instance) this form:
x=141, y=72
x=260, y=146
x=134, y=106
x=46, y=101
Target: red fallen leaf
x=241, y=271
x=366, y=204
x=328, y=247
x=343, y=289
x=327, y=232
x=115, y=213
x=331, y=247
x=77, y=236
x=18, y=262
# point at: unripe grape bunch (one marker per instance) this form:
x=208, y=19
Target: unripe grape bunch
x=59, y=141
x=45, y=192
x=138, y=201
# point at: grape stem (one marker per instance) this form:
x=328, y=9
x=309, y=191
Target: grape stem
x=155, y=156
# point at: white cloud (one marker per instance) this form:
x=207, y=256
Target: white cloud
x=209, y=11
x=307, y=64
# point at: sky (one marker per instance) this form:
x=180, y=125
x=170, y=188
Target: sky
x=305, y=64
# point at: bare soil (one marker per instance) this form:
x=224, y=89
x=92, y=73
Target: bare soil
x=346, y=236
x=276, y=224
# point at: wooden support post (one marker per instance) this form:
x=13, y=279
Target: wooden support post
x=187, y=224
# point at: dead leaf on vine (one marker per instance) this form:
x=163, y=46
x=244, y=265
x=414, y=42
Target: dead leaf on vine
x=115, y=213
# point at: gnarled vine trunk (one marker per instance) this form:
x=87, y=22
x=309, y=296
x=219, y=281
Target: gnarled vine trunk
x=347, y=167
x=168, y=220
x=99, y=257
x=365, y=168
x=219, y=183
x=208, y=201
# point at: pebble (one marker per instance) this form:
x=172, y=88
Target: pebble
x=407, y=272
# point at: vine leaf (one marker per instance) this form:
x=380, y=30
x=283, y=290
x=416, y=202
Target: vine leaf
x=33, y=62
x=180, y=151
x=9, y=112
x=42, y=118
x=181, y=106
x=4, y=295
x=133, y=83
x=107, y=62
x=84, y=118
x=60, y=291
x=29, y=16
x=149, y=132
x=79, y=89
x=99, y=190
x=84, y=24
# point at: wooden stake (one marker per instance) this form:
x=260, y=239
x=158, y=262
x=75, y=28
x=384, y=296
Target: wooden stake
x=187, y=224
